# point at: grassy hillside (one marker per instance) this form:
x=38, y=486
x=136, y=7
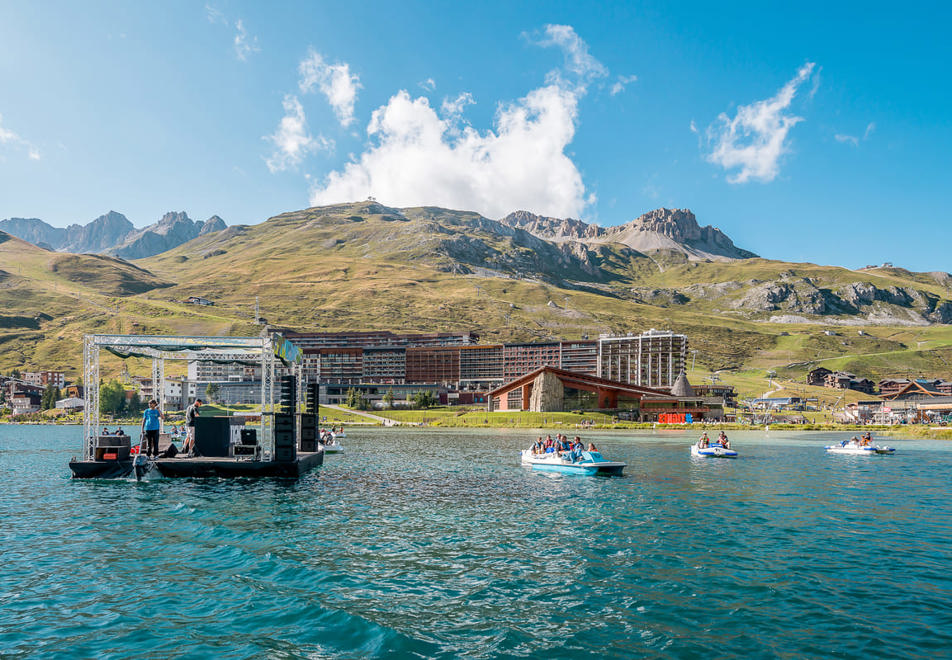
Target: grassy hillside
x=364, y=266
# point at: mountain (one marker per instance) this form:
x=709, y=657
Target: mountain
x=366, y=266
x=97, y=236
x=35, y=231
x=662, y=229
x=113, y=234
x=552, y=229
x=171, y=231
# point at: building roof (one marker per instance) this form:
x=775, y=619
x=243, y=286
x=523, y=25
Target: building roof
x=572, y=378
x=681, y=386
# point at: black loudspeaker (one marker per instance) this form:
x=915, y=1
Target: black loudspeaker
x=283, y=422
x=283, y=439
x=288, y=400
x=285, y=454
x=308, y=445
x=212, y=436
x=249, y=436
x=308, y=433
x=311, y=398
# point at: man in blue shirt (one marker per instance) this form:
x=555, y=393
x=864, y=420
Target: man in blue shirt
x=151, y=423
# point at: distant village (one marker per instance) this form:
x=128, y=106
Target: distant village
x=640, y=377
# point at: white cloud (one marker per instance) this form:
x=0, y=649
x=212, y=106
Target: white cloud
x=693, y=127
x=335, y=81
x=9, y=137
x=756, y=138
x=429, y=84
x=453, y=108
x=621, y=83
x=577, y=58
x=244, y=46
x=291, y=140
x=215, y=15
x=419, y=155
x=416, y=159
x=852, y=139
x=244, y=43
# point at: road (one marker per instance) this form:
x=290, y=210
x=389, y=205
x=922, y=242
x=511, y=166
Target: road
x=386, y=421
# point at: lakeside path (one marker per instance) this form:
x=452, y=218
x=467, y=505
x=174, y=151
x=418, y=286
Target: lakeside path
x=386, y=421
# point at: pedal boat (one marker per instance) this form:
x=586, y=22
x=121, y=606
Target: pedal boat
x=591, y=463
x=853, y=449
x=333, y=445
x=714, y=451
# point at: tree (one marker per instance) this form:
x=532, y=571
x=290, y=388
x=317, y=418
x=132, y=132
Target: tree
x=112, y=397
x=424, y=399
x=212, y=390
x=388, y=398
x=47, y=401
x=135, y=404
x=16, y=374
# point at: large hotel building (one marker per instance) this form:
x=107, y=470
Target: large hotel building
x=457, y=362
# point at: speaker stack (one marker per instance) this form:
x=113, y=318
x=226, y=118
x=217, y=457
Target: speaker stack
x=307, y=421
x=285, y=445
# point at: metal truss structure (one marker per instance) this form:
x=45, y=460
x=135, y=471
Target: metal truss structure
x=267, y=349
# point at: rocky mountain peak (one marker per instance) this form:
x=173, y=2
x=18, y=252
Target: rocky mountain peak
x=213, y=224
x=100, y=234
x=677, y=230
x=553, y=229
x=678, y=224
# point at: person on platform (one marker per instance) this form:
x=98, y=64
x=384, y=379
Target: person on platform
x=151, y=423
x=191, y=413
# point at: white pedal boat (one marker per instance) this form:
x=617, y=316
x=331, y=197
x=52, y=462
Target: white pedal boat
x=714, y=451
x=591, y=463
x=853, y=449
x=332, y=445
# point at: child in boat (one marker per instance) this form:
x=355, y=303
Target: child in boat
x=576, y=450
x=591, y=446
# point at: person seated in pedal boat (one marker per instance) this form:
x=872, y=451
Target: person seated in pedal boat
x=591, y=446
x=538, y=447
x=703, y=442
x=577, y=449
x=549, y=444
x=723, y=441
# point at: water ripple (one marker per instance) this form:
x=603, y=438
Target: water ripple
x=440, y=544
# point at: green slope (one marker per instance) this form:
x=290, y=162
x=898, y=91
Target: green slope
x=364, y=266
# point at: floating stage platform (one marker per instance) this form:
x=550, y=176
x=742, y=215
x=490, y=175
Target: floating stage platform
x=284, y=444
x=197, y=467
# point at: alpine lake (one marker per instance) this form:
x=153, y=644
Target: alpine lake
x=425, y=542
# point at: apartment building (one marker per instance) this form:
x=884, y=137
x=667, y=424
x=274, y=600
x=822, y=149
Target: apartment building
x=652, y=359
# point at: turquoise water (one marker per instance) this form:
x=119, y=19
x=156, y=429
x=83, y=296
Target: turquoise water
x=439, y=543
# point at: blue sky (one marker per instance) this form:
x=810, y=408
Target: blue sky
x=819, y=132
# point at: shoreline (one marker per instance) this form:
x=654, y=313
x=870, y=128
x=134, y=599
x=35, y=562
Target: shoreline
x=911, y=431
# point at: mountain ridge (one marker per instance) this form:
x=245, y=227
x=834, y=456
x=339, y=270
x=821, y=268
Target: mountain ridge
x=659, y=229
x=113, y=234
x=366, y=266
